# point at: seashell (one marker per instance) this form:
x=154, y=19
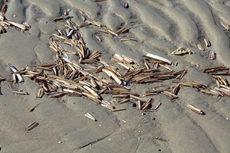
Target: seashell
x=158, y=58
x=207, y=43
x=226, y=26
x=90, y=116
x=211, y=55
x=200, y=47
x=19, y=77
x=126, y=5
x=196, y=110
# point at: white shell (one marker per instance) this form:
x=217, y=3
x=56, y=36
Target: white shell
x=158, y=58
x=20, y=78
x=66, y=59
x=139, y=105
x=117, y=56
x=90, y=116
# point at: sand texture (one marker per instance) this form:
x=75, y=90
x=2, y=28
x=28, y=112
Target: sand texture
x=159, y=27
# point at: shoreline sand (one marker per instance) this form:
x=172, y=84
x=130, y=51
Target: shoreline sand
x=159, y=27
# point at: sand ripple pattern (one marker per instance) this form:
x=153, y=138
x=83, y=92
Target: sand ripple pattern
x=160, y=26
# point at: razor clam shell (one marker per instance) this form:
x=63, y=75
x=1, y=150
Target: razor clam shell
x=20, y=78
x=12, y=68
x=87, y=15
x=117, y=56
x=158, y=58
x=66, y=59
x=90, y=116
x=139, y=105
x=18, y=25
x=200, y=47
x=196, y=110
x=98, y=38
x=226, y=26
x=211, y=55
x=207, y=43
x=70, y=33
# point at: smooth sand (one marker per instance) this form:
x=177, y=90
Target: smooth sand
x=160, y=26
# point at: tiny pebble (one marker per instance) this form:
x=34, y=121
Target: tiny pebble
x=226, y=118
x=142, y=114
x=15, y=15
x=73, y=102
x=59, y=141
x=154, y=118
x=159, y=149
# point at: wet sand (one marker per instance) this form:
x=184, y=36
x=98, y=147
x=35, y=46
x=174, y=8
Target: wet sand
x=160, y=27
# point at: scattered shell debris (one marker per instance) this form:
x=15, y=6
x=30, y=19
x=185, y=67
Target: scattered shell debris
x=5, y=23
x=70, y=77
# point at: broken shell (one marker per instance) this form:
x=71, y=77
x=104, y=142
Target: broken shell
x=181, y=51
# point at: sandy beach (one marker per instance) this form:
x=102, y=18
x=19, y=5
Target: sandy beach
x=156, y=26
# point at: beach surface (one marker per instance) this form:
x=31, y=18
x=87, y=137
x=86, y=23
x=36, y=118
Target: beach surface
x=159, y=27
